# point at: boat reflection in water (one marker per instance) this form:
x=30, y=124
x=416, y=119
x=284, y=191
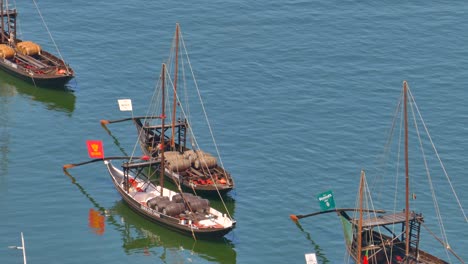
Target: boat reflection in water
x=10, y=89
x=97, y=221
x=53, y=99
x=140, y=236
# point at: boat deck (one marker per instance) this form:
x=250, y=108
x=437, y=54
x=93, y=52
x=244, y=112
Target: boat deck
x=388, y=219
x=30, y=60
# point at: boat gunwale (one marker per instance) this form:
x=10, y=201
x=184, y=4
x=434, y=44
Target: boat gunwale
x=168, y=221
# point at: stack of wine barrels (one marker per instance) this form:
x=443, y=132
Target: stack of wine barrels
x=28, y=48
x=173, y=209
x=176, y=206
x=196, y=204
x=163, y=205
x=176, y=161
x=158, y=202
x=181, y=162
x=200, y=159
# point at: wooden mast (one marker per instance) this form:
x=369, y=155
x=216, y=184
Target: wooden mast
x=175, y=85
x=13, y=39
x=359, y=233
x=163, y=116
x=5, y=12
x=407, y=213
x=3, y=23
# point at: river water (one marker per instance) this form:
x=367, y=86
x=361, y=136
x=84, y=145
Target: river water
x=300, y=95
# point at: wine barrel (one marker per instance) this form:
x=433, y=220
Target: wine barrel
x=173, y=209
x=6, y=52
x=28, y=48
x=177, y=163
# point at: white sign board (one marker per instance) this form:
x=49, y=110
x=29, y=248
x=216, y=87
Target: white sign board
x=125, y=104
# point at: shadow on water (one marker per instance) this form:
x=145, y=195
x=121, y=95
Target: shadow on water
x=5, y=128
x=315, y=246
x=116, y=141
x=140, y=236
x=53, y=99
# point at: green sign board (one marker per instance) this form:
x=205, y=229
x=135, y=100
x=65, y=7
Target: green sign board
x=326, y=200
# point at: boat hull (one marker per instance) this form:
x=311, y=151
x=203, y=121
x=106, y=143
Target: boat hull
x=164, y=220
x=379, y=257
x=205, y=190
x=382, y=248
x=50, y=82
x=41, y=80
x=168, y=223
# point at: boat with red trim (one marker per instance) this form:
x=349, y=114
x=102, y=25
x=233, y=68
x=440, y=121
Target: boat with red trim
x=194, y=169
x=26, y=59
x=178, y=211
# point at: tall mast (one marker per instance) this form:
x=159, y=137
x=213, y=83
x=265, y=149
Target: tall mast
x=175, y=85
x=407, y=213
x=163, y=116
x=3, y=22
x=359, y=234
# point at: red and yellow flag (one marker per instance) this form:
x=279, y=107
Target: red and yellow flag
x=95, y=149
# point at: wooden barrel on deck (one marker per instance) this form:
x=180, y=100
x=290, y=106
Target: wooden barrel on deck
x=174, y=209
x=205, y=161
x=28, y=48
x=177, y=163
x=6, y=52
x=178, y=197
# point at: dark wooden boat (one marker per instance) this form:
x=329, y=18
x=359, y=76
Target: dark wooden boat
x=194, y=169
x=26, y=59
x=138, y=236
x=377, y=237
x=182, y=212
x=385, y=237
x=179, y=211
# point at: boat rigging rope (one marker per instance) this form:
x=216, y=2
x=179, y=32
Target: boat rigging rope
x=153, y=109
x=189, y=207
x=414, y=106
x=368, y=200
x=438, y=157
x=50, y=35
x=206, y=118
x=428, y=173
x=202, y=104
x=383, y=160
x=446, y=245
x=154, y=98
x=203, y=164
